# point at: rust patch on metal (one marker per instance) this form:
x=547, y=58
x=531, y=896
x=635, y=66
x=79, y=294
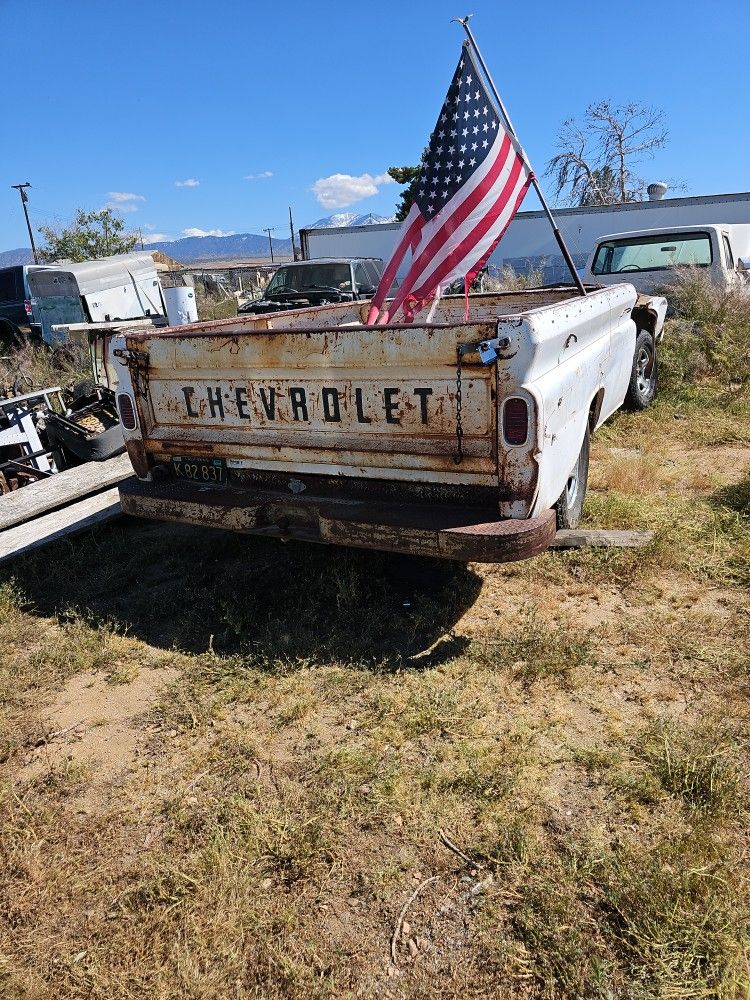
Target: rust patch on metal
x=470, y=534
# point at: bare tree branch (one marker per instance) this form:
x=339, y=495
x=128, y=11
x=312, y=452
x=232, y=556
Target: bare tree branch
x=597, y=158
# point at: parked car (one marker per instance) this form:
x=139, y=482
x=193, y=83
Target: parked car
x=648, y=258
x=459, y=438
x=318, y=282
x=17, y=319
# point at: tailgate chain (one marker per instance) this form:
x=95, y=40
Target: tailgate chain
x=459, y=455
x=137, y=365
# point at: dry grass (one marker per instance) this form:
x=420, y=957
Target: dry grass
x=510, y=280
x=214, y=306
x=37, y=366
x=295, y=725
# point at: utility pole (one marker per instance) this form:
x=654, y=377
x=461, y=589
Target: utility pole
x=291, y=227
x=24, y=200
x=270, y=241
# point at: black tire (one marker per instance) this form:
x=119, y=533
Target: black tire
x=644, y=376
x=569, y=507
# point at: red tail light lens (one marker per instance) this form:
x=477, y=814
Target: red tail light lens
x=515, y=420
x=127, y=411
x=27, y=307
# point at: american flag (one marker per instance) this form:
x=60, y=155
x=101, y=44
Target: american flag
x=473, y=179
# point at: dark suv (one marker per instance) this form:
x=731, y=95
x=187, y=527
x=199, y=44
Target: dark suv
x=16, y=315
x=317, y=282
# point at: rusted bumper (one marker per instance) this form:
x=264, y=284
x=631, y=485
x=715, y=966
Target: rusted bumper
x=470, y=534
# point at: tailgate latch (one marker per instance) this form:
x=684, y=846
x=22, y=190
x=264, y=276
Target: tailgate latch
x=488, y=349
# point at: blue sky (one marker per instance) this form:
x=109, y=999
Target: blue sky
x=199, y=117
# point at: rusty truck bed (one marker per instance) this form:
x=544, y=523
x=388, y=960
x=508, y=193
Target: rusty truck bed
x=246, y=424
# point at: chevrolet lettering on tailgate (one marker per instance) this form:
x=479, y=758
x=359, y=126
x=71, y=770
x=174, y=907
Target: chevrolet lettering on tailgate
x=316, y=404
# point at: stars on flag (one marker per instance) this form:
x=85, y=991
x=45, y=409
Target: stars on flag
x=447, y=166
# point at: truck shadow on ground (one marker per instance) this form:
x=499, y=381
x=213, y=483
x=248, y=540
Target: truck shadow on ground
x=175, y=586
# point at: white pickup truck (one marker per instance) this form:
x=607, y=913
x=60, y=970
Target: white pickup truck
x=460, y=439
x=648, y=258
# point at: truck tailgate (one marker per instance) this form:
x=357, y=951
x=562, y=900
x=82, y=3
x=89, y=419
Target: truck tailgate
x=349, y=400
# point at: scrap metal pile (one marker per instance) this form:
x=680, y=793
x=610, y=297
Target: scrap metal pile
x=43, y=431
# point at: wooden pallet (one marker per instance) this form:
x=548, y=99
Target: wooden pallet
x=69, y=520
x=61, y=490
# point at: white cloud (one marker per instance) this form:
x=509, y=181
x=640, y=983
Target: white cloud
x=189, y=182
x=158, y=238
x=120, y=196
x=258, y=177
x=340, y=190
x=119, y=207
x=207, y=232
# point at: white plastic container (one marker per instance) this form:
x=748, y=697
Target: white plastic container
x=181, y=305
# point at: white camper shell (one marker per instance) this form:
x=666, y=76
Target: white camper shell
x=125, y=286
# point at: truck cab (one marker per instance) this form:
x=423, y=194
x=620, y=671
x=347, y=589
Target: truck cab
x=648, y=258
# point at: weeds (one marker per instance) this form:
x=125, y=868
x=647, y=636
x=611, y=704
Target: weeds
x=511, y=280
x=697, y=766
x=535, y=651
x=36, y=366
x=712, y=338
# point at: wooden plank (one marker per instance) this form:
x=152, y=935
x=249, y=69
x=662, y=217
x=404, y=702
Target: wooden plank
x=76, y=517
x=62, y=489
x=578, y=539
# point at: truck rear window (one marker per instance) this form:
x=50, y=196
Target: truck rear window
x=653, y=253
x=309, y=276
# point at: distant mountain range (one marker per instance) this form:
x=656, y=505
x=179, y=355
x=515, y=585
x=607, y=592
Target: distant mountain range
x=20, y=256
x=194, y=249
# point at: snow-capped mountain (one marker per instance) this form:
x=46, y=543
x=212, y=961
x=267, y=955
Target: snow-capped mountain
x=349, y=219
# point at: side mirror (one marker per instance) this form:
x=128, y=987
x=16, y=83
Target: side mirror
x=367, y=289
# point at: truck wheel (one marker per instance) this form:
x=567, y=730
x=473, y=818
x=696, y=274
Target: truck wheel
x=644, y=378
x=570, y=505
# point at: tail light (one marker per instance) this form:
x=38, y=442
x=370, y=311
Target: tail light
x=126, y=409
x=27, y=307
x=515, y=420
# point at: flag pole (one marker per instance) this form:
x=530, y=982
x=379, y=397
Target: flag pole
x=464, y=22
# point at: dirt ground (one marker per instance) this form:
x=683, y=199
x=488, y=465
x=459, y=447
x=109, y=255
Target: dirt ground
x=243, y=769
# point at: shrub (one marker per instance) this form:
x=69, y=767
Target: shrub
x=711, y=338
